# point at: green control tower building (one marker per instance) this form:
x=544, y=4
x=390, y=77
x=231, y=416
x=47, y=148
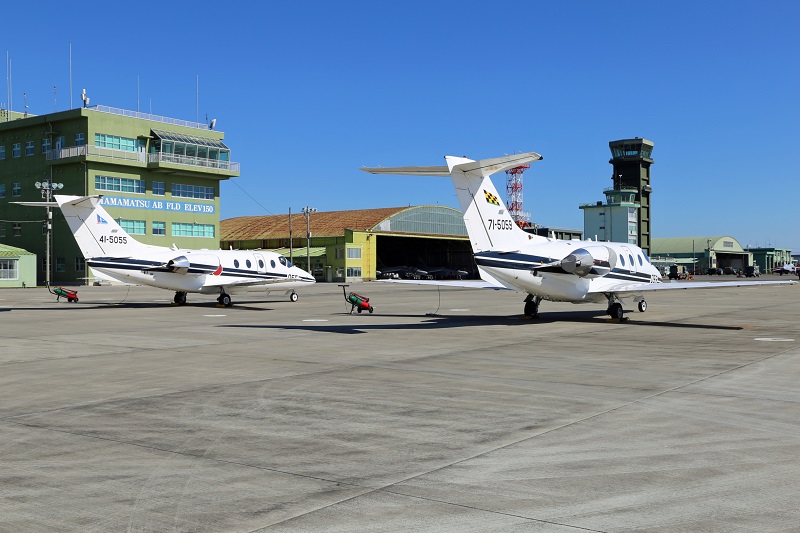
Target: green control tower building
x=631, y=160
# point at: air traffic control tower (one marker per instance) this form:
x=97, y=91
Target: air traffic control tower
x=631, y=160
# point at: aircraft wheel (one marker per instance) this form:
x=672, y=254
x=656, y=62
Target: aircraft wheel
x=225, y=300
x=180, y=298
x=371, y=309
x=293, y=297
x=531, y=309
x=642, y=306
x=616, y=311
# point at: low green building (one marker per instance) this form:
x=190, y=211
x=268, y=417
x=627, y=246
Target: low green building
x=769, y=258
x=17, y=267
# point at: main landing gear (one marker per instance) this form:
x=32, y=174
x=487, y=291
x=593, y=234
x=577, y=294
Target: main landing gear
x=616, y=311
x=180, y=298
x=293, y=297
x=224, y=299
x=532, y=306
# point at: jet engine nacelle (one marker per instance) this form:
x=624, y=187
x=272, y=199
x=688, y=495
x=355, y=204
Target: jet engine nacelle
x=179, y=265
x=590, y=262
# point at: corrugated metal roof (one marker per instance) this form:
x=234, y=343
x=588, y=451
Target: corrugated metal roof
x=314, y=251
x=322, y=224
x=11, y=251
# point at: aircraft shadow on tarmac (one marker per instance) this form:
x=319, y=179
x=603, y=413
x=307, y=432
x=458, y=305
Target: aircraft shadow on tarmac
x=138, y=305
x=459, y=321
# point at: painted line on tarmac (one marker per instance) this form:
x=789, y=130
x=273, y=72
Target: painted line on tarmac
x=315, y=320
x=773, y=339
x=214, y=315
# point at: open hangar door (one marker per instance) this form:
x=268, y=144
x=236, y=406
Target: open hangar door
x=426, y=253
x=736, y=261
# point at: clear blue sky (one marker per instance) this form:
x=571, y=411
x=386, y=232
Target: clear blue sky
x=308, y=92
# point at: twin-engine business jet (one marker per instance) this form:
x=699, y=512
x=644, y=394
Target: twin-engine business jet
x=547, y=269
x=114, y=255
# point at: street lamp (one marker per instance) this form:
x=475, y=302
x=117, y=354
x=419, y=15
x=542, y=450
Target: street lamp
x=47, y=188
x=307, y=213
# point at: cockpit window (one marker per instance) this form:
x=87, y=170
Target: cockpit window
x=645, y=256
x=283, y=260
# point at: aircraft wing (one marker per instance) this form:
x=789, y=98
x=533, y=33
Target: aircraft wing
x=219, y=281
x=677, y=285
x=463, y=283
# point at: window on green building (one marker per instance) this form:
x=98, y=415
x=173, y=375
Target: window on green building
x=115, y=142
x=8, y=269
x=110, y=183
x=133, y=227
x=159, y=228
x=181, y=229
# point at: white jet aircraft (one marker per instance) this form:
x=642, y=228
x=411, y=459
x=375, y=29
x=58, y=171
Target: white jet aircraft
x=545, y=268
x=114, y=255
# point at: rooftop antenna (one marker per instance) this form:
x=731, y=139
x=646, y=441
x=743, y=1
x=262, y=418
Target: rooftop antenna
x=54, y=98
x=70, y=75
x=137, y=93
x=85, y=98
x=25, y=102
x=197, y=99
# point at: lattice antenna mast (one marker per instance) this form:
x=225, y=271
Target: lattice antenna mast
x=514, y=196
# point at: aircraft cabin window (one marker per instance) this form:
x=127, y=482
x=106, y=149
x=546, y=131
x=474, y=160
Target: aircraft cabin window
x=631, y=258
x=272, y=262
x=248, y=263
x=236, y=263
x=640, y=260
x=622, y=259
x=260, y=264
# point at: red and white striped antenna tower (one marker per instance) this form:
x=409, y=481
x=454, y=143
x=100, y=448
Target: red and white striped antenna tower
x=514, y=196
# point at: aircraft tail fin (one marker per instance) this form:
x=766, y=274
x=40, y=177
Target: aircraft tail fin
x=96, y=232
x=488, y=222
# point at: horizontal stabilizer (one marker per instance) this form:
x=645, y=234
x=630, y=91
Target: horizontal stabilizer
x=410, y=171
x=487, y=167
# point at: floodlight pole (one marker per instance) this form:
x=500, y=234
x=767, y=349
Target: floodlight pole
x=47, y=188
x=307, y=213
